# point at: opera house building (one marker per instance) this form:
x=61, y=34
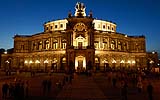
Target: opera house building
x=78, y=42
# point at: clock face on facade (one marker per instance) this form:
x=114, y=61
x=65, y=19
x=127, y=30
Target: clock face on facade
x=80, y=29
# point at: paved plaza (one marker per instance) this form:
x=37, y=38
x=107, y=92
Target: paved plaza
x=83, y=87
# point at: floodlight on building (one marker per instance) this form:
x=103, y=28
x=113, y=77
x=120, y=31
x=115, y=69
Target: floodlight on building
x=46, y=61
x=25, y=61
x=5, y=52
x=30, y=61
x=133, y=62
x=129, y=61
x=7, y=61
x=105, y=61
x=37, y=61
x=151, y=62
x=122, y=61
x=114, y=61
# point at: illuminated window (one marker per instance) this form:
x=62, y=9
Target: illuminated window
x=34, y=46
x=124, y=46
x=99, y=26
x=46, y=44
x=96, y=44
x=40, y=45
x=113, y=45
x=104, y=45
x=64, y=44
x=55, y=44
x=119, y=46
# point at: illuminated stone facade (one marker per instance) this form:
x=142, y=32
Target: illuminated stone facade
x=77, y=42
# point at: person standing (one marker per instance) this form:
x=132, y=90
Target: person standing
x=5, y=90
x=150, y=91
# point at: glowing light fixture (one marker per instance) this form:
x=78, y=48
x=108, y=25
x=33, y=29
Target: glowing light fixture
x=46, y=61
x=37, y=61
x=129, y=61
x=122, y=61
x=7, y=61
x=30, y=61
x=133, y=62
x=25, y=61
x=114, y=61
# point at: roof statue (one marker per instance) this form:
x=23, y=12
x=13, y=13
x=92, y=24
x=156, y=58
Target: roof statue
x=80, y=10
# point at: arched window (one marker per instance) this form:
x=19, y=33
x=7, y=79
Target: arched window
x=124, y=46
x=119, y=45
x=46, y=44
x=113, y=45
x=96, y=44
x=55, y=44
x=63, y=44
x=40, y=45
x=105, y=46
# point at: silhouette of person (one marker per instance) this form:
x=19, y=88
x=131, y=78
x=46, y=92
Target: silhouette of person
x=150, y=91
x=5, y=90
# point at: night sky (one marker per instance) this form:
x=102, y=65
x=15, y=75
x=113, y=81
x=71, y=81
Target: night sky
x=133, y=17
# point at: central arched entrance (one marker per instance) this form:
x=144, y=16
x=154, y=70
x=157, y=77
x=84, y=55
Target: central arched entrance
x=80, y=63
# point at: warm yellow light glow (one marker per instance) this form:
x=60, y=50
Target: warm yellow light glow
x=37, y=61
x=133, y=62
x=151, y=62
x=30, y=61
x=7, y=61
x=114, y=61
x=25, y=61
x=122, y=61
x=46, y=61
x=105, y=61
x=129, y=61
x=5, y=52
x=82, y=59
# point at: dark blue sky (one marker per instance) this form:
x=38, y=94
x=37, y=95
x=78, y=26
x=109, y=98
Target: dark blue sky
x=133, y=17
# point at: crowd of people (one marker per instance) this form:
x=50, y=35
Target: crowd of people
x=17, y=90
x=134, y=79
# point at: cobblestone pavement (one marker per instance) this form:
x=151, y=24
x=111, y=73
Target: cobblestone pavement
x=96, y=87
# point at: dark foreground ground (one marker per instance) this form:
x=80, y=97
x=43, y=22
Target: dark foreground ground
x=82, y=87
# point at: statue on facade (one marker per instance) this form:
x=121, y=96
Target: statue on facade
x=80, y=10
